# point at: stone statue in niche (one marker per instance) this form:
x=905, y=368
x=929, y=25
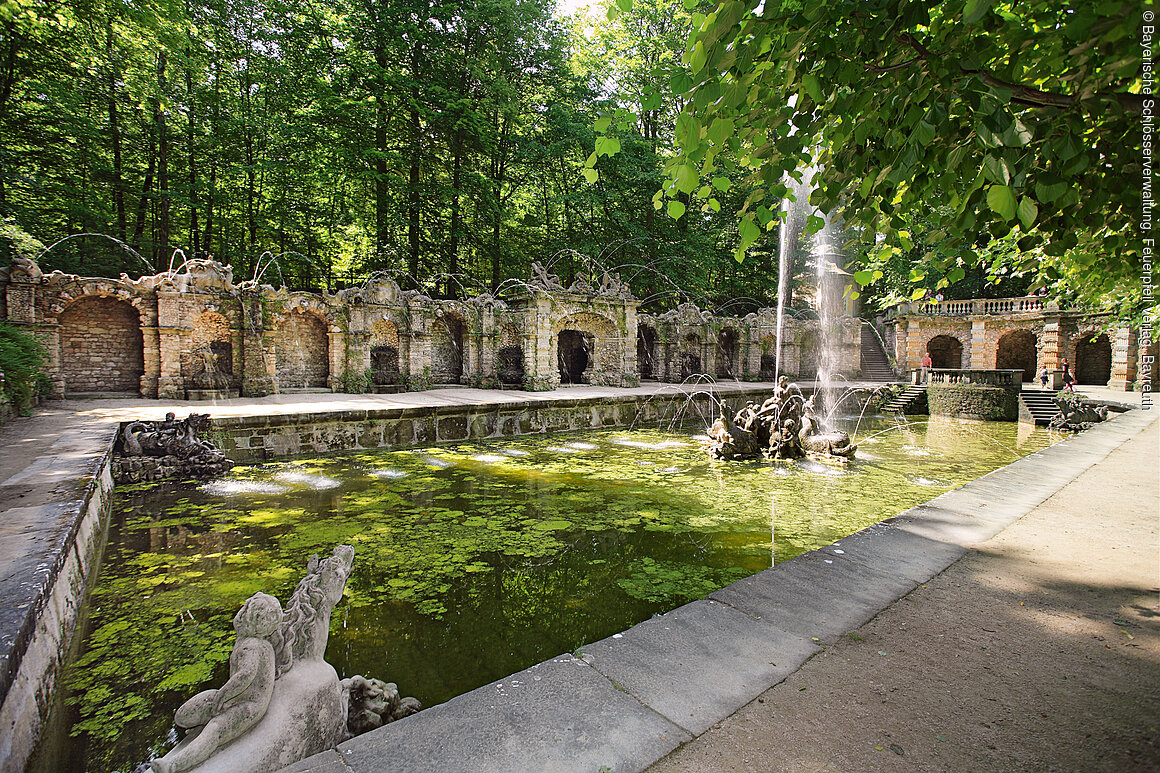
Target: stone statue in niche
x=511, y=365
x=154, y=450
x=211, y=365
x=283, y=701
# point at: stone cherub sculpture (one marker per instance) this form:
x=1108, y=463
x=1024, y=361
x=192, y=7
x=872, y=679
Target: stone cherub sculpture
x=283, y=702
x=213, y=718
x=784, y=427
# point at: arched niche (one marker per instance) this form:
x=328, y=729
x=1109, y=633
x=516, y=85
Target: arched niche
x=727, y=354
x=210, y=363
x=768, y=357
x=101, y=348
x=646, y=345
x=1093, y=359
x=584, y=344
x=302, y=351
x=1016, y=349
x=384, y=342
x=945, y=352
x=447, y=349
x=690, y=356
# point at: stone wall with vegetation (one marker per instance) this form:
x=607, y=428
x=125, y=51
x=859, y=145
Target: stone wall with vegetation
x=973, y=401
x=197, y=334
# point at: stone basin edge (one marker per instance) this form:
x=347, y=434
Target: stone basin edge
x=887, y=561
x=33, y=649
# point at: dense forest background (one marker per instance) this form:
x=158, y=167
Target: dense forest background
x=441, y=142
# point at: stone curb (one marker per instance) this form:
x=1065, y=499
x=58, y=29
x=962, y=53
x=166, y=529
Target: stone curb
x=50, y=548
x=696, y=665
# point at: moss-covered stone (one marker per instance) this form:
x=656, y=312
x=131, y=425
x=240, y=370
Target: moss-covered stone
x=973, y=401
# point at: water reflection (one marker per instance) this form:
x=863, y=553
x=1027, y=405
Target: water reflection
x=472, y=561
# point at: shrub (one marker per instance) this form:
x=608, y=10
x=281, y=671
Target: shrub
x=22, y=368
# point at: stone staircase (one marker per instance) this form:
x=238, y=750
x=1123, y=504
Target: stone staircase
x=1038, y=403
x=903, y=402
x=875, y=365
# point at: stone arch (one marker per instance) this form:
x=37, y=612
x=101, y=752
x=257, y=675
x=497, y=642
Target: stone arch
x=509, y=356
x=385, y=352
x=946, y=351
x=585, y=343
x=302, y=350
x=727, y=341
x=210, y=361
x=690, y=356
x=447, y=332
x=1093, y=358
x=1016, y=349
x=101, y=345
x=646, y=351
x=768, y=357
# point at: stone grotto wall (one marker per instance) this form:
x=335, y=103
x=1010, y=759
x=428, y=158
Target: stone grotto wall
x=197, y=334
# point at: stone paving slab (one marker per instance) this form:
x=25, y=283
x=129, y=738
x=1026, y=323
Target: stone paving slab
x=699, y=663
x=815, y=595
x=893, y=551
x=560, y=716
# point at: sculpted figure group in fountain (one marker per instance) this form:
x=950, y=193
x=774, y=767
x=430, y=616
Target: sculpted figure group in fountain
x=282, y=701
x=785, y=426
x=168, y=448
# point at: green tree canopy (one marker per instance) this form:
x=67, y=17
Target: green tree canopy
x=991, y=120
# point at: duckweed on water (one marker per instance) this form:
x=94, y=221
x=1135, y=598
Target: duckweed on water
x=472, y=561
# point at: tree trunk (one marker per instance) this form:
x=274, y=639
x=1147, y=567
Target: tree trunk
x=191, y=139
x=146, y=190
x=456, y=179
x=162, y=162
x=414, y=200
x=115, y=134
x=498, y=175
x=211, y=194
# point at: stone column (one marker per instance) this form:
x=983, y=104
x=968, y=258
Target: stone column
x=914, y=350
x=631, y=366
x=1052, y=349
x=978, y=352
x=168, y=344
x=1125, y=356
x=336, y=361
x=151, y=378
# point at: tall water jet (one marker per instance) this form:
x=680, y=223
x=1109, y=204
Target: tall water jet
x=782, y=282
x=824, y=268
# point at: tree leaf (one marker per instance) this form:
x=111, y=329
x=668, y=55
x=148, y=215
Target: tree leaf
x=975, y=10
x=686, y=178
x=1001, y=200
x=676, y=210
x=1028, y=211
x=748, y=230
x=864, y=277
x=591, y=175
x=813, y=87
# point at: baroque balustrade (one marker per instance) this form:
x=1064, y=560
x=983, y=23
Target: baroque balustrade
x=1002, y=378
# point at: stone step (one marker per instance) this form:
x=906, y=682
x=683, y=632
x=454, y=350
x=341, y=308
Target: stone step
x=903, y=401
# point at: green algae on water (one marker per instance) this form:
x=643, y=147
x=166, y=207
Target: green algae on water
x=472, y=561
